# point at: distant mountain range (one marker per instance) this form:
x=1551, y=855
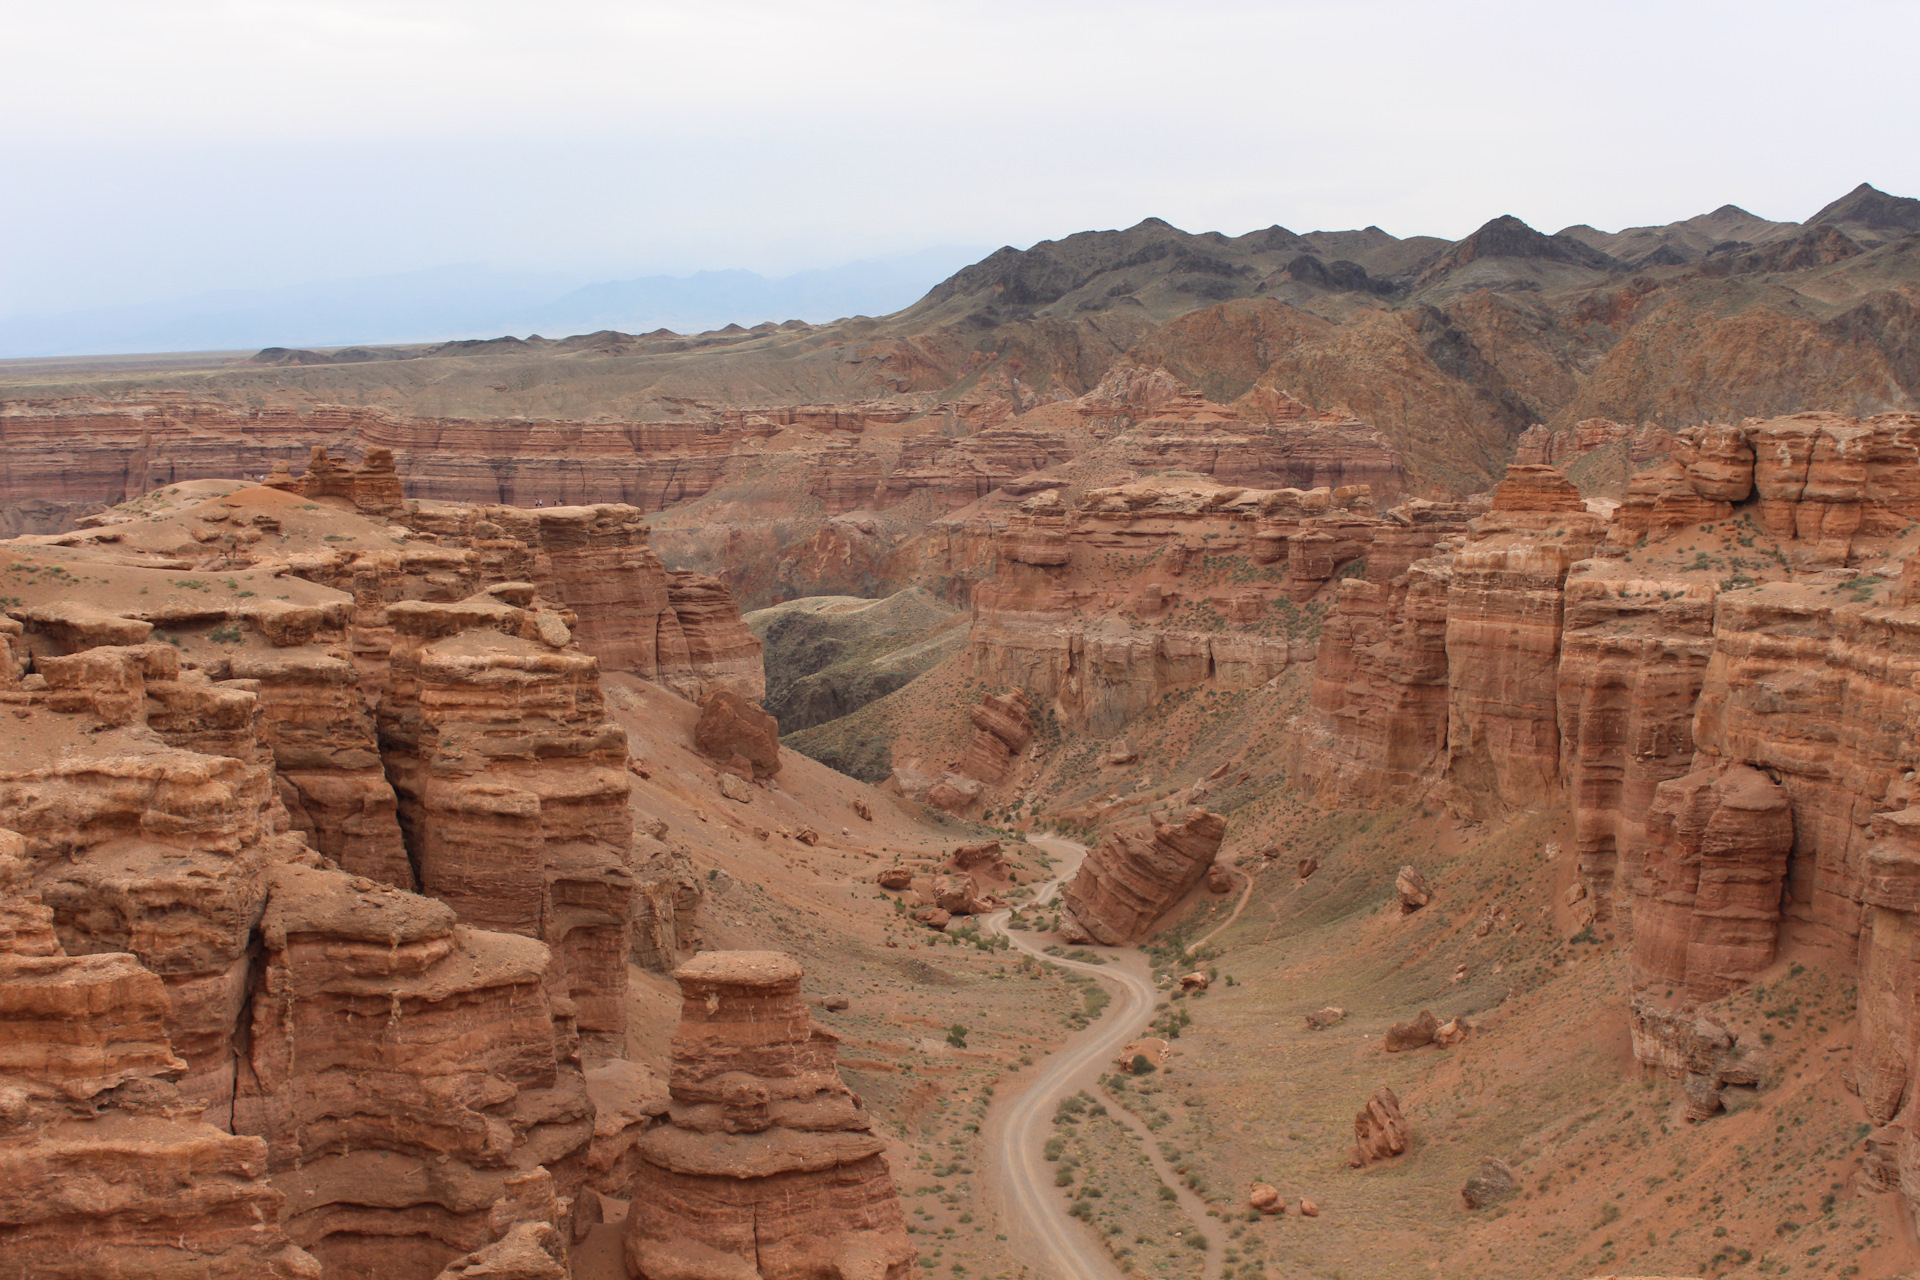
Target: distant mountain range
x=1162, y=271
x=1451, y=348
x=467, y=301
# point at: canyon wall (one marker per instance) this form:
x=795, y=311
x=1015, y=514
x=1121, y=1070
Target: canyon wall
x=512, y=789
x=1105, y=602
x=780, y=502
x=1718, y=681
x=86, y=1099
x=680, y=630
x=363, y=1087
x=251, y=724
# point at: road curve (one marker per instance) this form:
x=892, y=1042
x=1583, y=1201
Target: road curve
x=1025, y=1176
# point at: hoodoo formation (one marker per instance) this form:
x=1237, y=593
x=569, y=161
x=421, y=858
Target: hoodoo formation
x=1473, y=682
x=767, y=1164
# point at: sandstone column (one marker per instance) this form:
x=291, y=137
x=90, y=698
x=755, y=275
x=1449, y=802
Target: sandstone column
x=766, y=1169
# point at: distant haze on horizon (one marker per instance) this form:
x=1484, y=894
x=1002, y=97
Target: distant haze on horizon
x=157, y=152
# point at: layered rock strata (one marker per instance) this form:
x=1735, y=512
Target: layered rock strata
x=680, y=630
x=512, y=789
x=1380, y=1130
x=94, y=1137
x=767, y=1166
x=1888, y=1047
x=1103, y=604
x=1539, y=445
x=189, y=982
x=1693, y=1048
x=282, y=688
x=1707, y=898
x=1633, y=657
x=161, y=854
x=1002, y=729
x=1131, y=878
x=1380, y=688
x=1721, y=690
x=392, y=1088
x=1269, y=442
x=415, y=1080
x=1505, y=602
x=1598, y=679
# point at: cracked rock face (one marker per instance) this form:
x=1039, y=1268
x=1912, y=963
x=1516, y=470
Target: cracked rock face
x=94, y=1137
x=414, y=1083
x=766, y=1166
x=1707, y=903
x=232, y=1043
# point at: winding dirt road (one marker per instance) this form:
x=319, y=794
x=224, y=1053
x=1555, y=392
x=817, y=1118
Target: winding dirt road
x=1062, y=1250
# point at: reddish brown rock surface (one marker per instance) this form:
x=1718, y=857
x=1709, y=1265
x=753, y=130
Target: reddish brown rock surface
x=513, y=790
x=738, y=734
x=94, y=1138
x=1504, y=611
x=1634, y=654
x=1002, y=728
x=1707, y=898
x=1133, y=876
x=414, y=1081
x=1379, y=1130
x=1402, y=1036
x=471, y=1077
x=1693, y=1048
x=767, y=1167
x=1380, y=688
x=1106, y=603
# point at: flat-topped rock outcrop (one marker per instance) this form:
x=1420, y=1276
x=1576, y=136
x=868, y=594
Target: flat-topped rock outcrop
x=513, y=790
x=210, y=954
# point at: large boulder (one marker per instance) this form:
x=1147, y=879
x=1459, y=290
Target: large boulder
x=1412, y=1035
x=1379, y=1130
x=738, y=734
x=1493, y=1182
x=1130, y=880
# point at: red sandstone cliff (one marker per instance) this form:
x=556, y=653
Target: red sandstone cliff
x=199, y=957
x=1105, y=603
x=513, y=791
x=1717, y=681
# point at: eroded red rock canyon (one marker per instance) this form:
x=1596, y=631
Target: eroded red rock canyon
x=1481, y=676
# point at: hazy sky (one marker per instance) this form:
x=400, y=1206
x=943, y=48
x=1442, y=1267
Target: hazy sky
x=160, y=147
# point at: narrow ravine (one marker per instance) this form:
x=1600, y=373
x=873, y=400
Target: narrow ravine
x=1063, y=1248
